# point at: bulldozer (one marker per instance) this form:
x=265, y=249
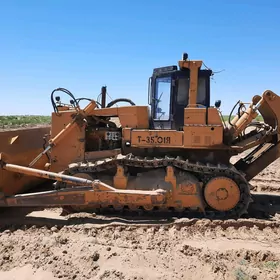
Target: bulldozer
x=171, y=155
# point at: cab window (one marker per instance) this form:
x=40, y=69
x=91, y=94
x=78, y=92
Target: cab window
x=162, y=98
x=183, y=91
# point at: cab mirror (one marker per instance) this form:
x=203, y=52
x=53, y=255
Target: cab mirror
x=218, y=104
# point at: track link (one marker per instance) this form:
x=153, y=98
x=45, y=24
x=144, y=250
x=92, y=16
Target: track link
x=204, y=172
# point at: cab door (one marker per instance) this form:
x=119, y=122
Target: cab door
x=161, y=102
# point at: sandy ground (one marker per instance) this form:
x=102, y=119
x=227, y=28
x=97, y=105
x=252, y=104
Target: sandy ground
x=98, y=248
x=44, y=245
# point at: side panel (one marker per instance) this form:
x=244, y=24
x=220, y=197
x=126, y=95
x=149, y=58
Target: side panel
x=202, y=116
x=213, y=117
x=130, y=116
x=194, y=116
x=192, y=137
x=134, y=116
x=203, y=136
x=156, y=138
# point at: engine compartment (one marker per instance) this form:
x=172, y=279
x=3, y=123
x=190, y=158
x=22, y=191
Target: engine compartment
x=102, y=138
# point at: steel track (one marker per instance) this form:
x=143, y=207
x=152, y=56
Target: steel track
x=204, y=172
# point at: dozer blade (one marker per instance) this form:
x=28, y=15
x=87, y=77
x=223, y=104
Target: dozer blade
x=22, y=146
x=264, y=154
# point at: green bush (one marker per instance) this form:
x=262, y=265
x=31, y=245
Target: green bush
x=13, y=121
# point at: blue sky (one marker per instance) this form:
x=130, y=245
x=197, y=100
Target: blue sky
x=83, y=45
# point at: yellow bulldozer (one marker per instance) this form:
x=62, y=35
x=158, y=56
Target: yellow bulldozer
x=170, y=156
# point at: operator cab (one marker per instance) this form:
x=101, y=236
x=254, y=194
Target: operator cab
x=169, y=95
